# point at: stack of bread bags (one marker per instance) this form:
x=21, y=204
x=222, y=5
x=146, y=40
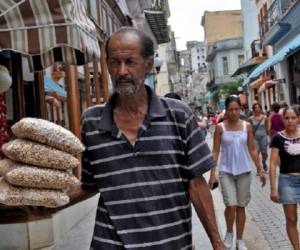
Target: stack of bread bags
x=38, y=171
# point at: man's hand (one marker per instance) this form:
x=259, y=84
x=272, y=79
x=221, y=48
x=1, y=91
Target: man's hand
x=201, y=198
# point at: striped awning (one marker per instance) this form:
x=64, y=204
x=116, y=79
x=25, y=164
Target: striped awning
x=48, y=31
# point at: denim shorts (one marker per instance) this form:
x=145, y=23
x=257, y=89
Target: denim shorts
x=289, y=189
x=235, y=189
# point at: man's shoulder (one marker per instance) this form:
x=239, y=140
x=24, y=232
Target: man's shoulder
x=93, y=110
x=92, y=113
x=176, y=105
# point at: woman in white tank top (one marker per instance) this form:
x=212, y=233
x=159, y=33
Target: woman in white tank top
x=233, y=138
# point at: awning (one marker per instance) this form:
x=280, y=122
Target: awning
x=267, y=85
x=48, y=31
x=51, y=86
x=270, y=83
x=249, y=66
x=279, y=56
x=158, y=24
x=256, y=84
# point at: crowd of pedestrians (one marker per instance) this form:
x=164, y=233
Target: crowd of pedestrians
x=277, y=129
x=239, y=133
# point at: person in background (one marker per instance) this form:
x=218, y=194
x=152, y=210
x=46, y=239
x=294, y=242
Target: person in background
x=221, y=116
x=260, y=132
x=146, y=156
x=173, y=96
x=286, y=150
x=213, y=119
x=244, y=115
x=234, y=138
x=275, y=120
x=283, y=105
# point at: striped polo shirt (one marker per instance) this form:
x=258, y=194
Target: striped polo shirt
x=144, y=201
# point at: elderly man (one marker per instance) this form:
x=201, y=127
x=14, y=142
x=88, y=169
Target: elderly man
x=146, y=156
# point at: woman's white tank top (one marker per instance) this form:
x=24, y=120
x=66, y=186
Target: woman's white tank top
x=235, y=157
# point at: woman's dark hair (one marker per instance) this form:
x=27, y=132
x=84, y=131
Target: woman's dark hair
x=294, y=108
x=230, y=99
x=146, y=42
x=275, y=107
x=256, y=104
x=173, y=96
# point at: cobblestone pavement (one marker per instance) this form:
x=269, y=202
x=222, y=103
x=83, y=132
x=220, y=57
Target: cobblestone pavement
x=268, y=215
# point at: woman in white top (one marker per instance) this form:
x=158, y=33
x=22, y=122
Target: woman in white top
x=234, y=139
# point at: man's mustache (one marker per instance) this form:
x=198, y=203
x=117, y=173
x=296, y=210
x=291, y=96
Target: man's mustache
x=124, y=79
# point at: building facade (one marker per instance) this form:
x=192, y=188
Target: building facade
x=224, y=40
x=279, y=29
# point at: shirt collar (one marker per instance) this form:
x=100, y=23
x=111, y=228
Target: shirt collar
x=156, y=109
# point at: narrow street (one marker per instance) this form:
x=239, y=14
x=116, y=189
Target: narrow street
x=265, y=226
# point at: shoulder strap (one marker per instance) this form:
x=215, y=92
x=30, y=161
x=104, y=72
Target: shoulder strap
x=257, y=125
x=223, y=126
x=244, y=126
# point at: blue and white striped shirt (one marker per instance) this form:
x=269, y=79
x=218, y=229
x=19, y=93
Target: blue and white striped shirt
x=144, y=201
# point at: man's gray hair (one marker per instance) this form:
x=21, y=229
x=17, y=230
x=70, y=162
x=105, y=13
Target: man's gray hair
x=146, y=42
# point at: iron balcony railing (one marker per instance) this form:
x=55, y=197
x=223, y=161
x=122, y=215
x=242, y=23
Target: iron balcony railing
x=276, y=12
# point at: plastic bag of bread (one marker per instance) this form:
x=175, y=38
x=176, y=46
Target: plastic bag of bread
x=18, y=196
x=37, y=154
x=48, y=133
x=19, y=174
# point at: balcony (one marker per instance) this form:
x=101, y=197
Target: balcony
x=223, y=45
x=272, y=25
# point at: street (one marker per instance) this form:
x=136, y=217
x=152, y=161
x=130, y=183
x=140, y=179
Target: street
x=265, y=225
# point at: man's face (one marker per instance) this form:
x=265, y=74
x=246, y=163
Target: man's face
x=126, y=65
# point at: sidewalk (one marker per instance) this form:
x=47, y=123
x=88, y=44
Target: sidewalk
x=253, y=236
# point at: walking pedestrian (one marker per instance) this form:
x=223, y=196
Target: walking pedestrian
x=260, y=131
x=286, y=148
x=146, y=156
x=234, y=138
x=276, y=120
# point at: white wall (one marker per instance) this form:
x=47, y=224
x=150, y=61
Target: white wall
x=250, y=25
x=162, y=86
x=198, y=51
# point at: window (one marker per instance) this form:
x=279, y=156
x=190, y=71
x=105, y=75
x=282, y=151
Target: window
x=93, y=9
x=240, y=59
x=99, y=14
x=104, y=19
x=225, y=65
x=110, y=24
x=182, y=62
x=87, y=6
x=198, y=57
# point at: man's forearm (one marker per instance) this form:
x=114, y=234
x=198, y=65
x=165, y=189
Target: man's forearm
x=202, y=200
